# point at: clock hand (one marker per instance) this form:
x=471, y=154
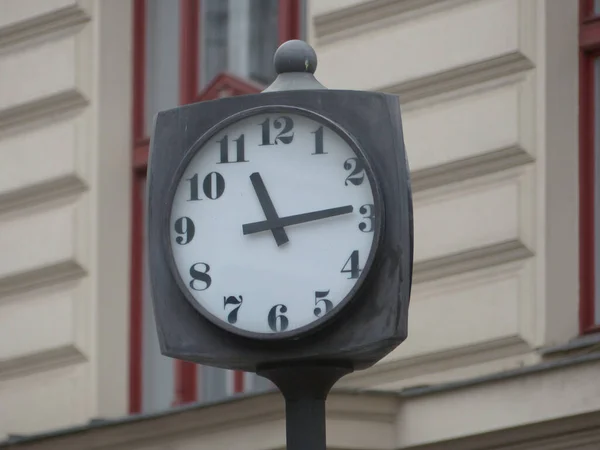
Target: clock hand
x=268, y=209
x=279, y=222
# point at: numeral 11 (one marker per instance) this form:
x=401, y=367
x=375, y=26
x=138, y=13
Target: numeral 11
x=239, y=150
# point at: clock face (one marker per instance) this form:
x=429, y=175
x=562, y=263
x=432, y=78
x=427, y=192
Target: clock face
x=274, y=223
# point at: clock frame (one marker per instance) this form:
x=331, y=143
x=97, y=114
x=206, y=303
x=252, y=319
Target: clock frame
x=374, y=322
x=378, y=222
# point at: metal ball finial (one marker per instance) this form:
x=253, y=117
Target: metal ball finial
x=295, y=56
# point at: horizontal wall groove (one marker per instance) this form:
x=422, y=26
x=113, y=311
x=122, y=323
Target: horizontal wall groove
x=479, y=165
x=58, y=272
x=406, y=368
x=34, y=195
x=59, y=103
x=39, y=362
x=43, y=25
x=373, y=14
x=465, y=261
x=461, y=77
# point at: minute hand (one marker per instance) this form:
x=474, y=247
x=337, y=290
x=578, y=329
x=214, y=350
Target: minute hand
x=257, y=227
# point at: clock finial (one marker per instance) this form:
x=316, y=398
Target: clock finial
x=295, y=63
x=295, y=56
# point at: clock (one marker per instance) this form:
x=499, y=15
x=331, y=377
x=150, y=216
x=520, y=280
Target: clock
x=274, y=221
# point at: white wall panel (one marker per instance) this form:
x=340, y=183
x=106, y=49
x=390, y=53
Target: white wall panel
x=471, y=215
x=465, y=127
x=39, y=72
x=42, y=156
x=471, y=33
x=45, y=401
x=40, y=322
x=40, y=241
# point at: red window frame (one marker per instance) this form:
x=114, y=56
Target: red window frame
x=589, y=49
x=224, y=84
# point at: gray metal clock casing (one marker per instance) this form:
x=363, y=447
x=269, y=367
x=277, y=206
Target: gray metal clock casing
x=374, y=321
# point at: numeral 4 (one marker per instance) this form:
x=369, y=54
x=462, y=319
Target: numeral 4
x=351, y=266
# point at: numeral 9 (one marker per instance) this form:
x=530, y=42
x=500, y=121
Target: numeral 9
x=184, y=226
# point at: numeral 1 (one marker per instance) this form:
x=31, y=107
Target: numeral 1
x=239, y=150
x=319, y=141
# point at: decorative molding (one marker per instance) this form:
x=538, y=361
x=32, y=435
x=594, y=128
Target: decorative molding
x=395, y=370
x=32, y=279
x=461, y=77
x=60, y=103
x=217, y=422
x=41, y=361
x=373, y=14
x=40, y=26
x=33, y=195
x=483, y=164
x=477, y=258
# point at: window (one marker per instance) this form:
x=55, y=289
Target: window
x=589, y=164
x=187, y=51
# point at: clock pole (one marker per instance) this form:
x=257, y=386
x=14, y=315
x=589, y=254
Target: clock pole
x=304, y=386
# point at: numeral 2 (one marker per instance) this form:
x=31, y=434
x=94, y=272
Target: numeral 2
x=285, y=136
x=237, y=303
x=277, y=319
x=199, y=274
x=357, y=171
x=353, y=270
x=213, y=186
x=184, y=226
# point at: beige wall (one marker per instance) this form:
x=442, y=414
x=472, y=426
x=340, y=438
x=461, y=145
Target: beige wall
x=64, y=211
x=488, y=90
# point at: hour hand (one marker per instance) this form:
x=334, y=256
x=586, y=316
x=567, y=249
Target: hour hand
x=257, y=227
x=268, y=209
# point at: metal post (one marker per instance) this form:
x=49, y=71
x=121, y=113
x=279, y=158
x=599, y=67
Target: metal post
x=305, y=389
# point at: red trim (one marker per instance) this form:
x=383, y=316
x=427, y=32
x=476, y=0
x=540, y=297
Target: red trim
x=135, y=331
x=589, y=34
x=586, y=9
x=135, y=313
x=589, y=42
x=238, y=382
x=139, y=67
x=586, y=192
x=289, y=20
x=188, y=51
x=228, y=85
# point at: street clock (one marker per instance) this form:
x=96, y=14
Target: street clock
x=279, y=225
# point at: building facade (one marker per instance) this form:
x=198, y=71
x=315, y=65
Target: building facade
x=499, y=101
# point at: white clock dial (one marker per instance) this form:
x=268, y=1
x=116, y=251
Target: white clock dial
x=272, y=224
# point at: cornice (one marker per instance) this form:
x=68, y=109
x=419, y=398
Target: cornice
x=42, y=25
